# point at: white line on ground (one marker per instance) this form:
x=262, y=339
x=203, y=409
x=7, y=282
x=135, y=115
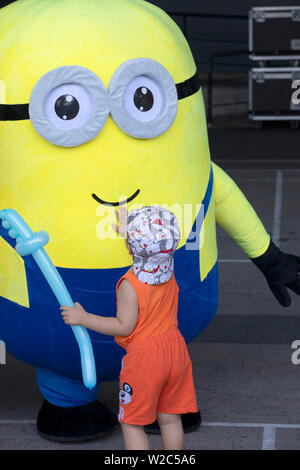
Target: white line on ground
x=17, y=421
x=269, y=429
x=250, y=425
x=277, y=208
x=204, y=423
x=269, y=434
x=269, y=438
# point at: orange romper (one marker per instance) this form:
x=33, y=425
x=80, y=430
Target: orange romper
x=156, y=374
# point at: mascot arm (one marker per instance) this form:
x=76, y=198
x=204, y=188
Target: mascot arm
x=238, y=218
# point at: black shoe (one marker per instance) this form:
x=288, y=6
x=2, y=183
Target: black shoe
x=190, y=422
x=73, y=424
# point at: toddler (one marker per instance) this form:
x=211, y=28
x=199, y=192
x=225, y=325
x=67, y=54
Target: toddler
x=156, y=379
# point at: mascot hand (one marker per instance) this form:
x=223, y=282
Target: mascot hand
x=281, y=271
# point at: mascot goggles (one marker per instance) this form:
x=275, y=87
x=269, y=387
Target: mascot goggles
x=70, y=105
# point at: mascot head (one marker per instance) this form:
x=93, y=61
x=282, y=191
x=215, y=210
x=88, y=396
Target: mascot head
x=103, y=107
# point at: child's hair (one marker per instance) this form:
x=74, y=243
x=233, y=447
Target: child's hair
x=153, y=235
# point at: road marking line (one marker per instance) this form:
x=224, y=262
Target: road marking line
x=17, y=421
x=269, y=429
x=204, y=423
x=269, y=438
x=277, y=208
x=251, y=425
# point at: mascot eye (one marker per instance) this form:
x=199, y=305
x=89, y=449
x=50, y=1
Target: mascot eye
x=143, y=99
x=68, y=106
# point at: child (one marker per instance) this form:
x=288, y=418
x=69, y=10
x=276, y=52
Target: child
x=156, y=380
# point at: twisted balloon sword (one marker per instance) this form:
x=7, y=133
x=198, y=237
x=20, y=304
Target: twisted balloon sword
x=29, y=243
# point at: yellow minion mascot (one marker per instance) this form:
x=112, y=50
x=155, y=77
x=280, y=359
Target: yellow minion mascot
x=101, y=106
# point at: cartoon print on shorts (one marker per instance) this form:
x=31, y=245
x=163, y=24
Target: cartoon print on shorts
x=125, y=394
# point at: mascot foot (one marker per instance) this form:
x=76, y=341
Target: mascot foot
x=190, y=422
x=76, y=423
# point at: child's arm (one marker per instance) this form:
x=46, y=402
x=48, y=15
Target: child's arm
x=121, y=325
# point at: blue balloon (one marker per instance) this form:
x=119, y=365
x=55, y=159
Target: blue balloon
x=29, y=243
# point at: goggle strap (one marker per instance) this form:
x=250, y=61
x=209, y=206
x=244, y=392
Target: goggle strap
x=20, y=112
x=14, y=112
x=189, y=87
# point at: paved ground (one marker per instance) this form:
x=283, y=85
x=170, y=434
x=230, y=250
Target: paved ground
x=247, y=385
x=248, y=395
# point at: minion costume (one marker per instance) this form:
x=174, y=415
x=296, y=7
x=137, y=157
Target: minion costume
x=101, y=105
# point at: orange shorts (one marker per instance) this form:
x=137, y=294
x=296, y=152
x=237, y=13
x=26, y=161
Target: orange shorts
x=156, y=376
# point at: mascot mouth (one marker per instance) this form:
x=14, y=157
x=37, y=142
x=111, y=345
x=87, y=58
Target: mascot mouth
x=116, y=204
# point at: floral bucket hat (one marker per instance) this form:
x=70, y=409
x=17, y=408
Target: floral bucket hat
x=153, y=235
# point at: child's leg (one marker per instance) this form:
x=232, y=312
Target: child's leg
x=135, y=437
x=171, y=431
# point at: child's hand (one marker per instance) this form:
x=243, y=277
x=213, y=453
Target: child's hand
x=73, y=315
x=121, y=229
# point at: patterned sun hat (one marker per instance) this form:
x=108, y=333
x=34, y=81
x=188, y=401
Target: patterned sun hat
x=153, y=235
